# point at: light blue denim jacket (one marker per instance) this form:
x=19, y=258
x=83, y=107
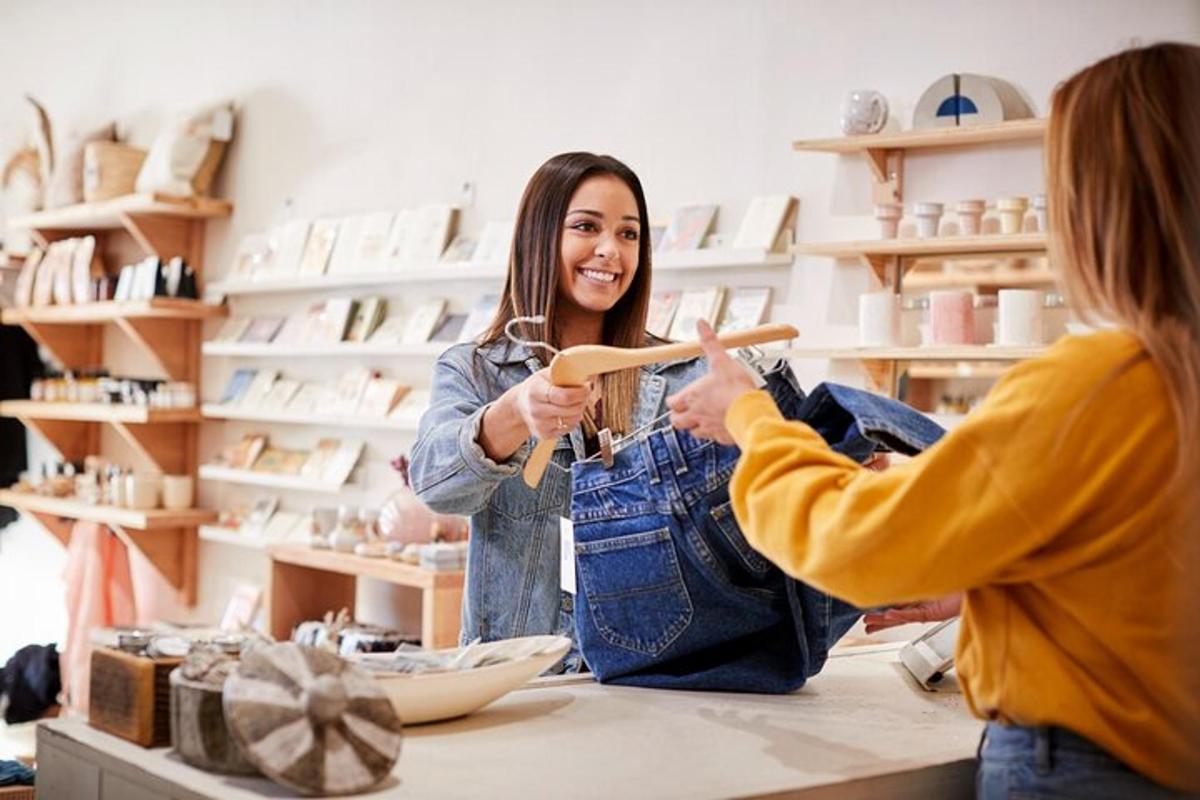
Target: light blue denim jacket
x=513, y=586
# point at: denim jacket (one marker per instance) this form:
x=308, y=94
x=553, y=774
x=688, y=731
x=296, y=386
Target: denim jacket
x=513, y=586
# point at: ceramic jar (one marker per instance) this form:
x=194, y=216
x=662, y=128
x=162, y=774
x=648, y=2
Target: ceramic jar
x=928, y=215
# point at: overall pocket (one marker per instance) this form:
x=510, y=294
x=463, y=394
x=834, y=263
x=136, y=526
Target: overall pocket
x=635, y=591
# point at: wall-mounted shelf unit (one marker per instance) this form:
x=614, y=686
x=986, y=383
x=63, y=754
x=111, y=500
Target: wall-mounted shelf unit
x=305, y=583
x=882, y=254
x=246, y=477
x=883, y=364
x=112, y=311
x=153, y=520
x=96, y=412
x=218, y=411
x=108, y=214
x=982, y=279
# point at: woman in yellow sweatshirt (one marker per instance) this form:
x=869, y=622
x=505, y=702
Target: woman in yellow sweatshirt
x=1064, y=508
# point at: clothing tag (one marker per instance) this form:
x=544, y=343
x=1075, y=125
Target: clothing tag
x=566, y=554
x=604, y=437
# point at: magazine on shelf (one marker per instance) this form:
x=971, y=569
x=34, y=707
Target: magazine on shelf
x=696, y=304
x=242, y=608
x=688, y=227
x=232, y=329
x=449, y=329
x=310, y=398
x=411, y=407
x=661, y=312
x=348, y=391
x=253, y=257
x=259, y=386
x=280, y=461
x=261, y=330
x=244, y=452
x=321, y=239
x=459, y=250
x=423, y=321
x=745, y=307
x=282, y=525
x=380, y=396
x=765, y=218
x=290, y=239
x=320, y=458
x=480, y=317
x=429, y=233
x=237, y=385
x=259, y=514
x=397, y=241
x=390, y=330
x=495, y=242
x=370, y=252
x=367, y=317
x=297, y=327
x=335, y=319
x=337, y=470
x=345, y=248
x=280, y=394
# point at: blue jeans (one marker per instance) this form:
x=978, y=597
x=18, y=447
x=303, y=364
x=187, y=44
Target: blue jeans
x=670, y=594
x=1023, y=762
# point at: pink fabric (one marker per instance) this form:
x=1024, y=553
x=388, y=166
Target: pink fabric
x=99, y=594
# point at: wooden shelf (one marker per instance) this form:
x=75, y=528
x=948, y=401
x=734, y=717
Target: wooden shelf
x=218, y=411
x=967, y=135
x=215, y=472
x=936, y=246
x=109, y=515
x=109, y=213
x=964, y=369
x=97, y=412
x=111, y=311
x=930, y=279
x=383, y=569
x=954, y=353
x=344, y=349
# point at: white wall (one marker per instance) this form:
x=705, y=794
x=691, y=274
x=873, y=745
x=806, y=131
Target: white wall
x=358, y=106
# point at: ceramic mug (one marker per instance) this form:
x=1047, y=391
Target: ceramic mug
x=951, y=317
x=141, y=491
x=1019, y=317
x=878, y=319
x=863, y=111
x=177, y=492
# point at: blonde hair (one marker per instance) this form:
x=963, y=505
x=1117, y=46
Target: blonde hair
x=1123, y=197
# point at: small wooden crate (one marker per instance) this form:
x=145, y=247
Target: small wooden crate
x=18, y=793
x=110, y=169
x=131, y=696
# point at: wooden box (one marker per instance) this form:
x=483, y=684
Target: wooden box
x=110, y=169
x=131, y=696
x=17, y=793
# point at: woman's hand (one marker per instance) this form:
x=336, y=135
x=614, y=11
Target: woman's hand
x=549, y=411
x=701, y=405
x=935, y=610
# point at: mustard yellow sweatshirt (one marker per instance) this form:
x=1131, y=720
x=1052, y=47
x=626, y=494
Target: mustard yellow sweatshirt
x=1050, y=507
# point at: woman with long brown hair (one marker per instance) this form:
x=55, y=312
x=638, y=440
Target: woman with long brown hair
x=1064, y=508
x=579, y=273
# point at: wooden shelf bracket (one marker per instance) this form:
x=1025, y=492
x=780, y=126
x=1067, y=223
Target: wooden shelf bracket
x=167, y=445
x=172, y=551
x=71, y=438
x=172, y=344
x=887, y=172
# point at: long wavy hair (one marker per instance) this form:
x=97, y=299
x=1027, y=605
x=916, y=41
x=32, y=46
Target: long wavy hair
x=1123, y=197
x=533, y=272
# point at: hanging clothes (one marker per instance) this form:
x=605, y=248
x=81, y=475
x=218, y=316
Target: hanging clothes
x=99, y=594
x=670, y=594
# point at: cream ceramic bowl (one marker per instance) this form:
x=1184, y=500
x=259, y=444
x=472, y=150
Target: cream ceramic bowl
x=436, y=696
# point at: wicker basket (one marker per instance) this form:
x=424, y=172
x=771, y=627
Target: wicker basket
x=110, y=169
x=18, y=793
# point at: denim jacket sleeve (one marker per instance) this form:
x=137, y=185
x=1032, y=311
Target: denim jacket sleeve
x=450, y=471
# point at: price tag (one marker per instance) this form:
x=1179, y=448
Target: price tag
x=566, y=554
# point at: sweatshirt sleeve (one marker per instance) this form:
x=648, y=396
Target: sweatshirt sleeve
x=944, y=521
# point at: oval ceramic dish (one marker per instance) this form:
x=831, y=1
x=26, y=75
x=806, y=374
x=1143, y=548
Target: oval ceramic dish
x=433, y=696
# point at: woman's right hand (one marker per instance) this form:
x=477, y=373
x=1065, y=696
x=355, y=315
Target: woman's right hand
x=547, y=410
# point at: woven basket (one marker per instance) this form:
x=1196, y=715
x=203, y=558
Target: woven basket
x=110, y=169
x=18, y=793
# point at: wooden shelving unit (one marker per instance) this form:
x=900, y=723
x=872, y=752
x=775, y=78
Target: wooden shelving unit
x=166, y=331
x=966, y=136
x=246, y=477
x=886, y=256
x=305, y=583
x=991, y=278
x=962, y=369
x=218, y=411
x=342, y=349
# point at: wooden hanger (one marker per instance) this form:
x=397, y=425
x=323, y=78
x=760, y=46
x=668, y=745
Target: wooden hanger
x=573, y=366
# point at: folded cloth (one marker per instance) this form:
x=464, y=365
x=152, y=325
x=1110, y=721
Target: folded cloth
x=14, y=773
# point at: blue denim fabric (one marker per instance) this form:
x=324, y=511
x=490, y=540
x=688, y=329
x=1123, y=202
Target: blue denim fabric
x=671, y=595
x=512, y=586
x=1024, y=762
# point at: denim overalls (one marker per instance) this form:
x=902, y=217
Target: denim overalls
x=671, y=595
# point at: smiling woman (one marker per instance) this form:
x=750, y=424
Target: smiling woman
x=580, y=262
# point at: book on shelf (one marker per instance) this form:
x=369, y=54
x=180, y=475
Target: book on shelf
x=460, y=250
x=411, y=407
x=243, y=453
x=764, y=221
x=345, y=247
x=280, y=394
x=423, y=320
x=367, y=317
x=661, y=312
x=279, y=461
x=310, y=398
x=745, y=307
x=252, y=258
x=696, y=304
x=449, y=329
x=282, y=526
x=430, y=230
x=335, y=319
x=320, y=458
x=298, y=326
x=321, y=239
x=236, y=386
x=232, y=329
x=259, y=386
x=380, y=396
x=261, y=330
x=348, y=391
x=397, y=241
x=337, y=470
x=687, y=228
x=495, y=242
x=390, y=330
x=370, y=251
x=259, y=514
x=479, y=317
x=290, y=241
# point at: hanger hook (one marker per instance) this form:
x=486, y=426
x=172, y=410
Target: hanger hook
x=540, y=319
